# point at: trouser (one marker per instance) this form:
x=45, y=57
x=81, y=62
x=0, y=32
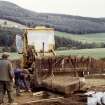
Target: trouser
x=6, y=86
x=17, y=86
x=26, y=85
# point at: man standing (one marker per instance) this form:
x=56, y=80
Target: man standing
x=6, y=79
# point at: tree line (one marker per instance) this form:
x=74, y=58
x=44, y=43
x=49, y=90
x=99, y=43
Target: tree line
x=7, y=39
x=64, y=43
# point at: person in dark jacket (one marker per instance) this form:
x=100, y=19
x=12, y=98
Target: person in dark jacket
x=17, y=73
x=21, y=80
x=25, y=80
x=6, y=79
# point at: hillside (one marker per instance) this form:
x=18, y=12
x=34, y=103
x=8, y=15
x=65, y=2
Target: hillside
x=66, y=23
x=11, y=24
x=84, y=38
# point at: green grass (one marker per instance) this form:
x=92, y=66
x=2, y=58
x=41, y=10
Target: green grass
x=96, y=53
x=13, y=56
x=85, y=38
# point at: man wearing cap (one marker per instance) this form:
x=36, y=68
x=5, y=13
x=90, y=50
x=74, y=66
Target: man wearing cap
x=6, y=78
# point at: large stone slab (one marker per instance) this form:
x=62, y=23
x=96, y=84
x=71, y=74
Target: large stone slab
x=64, y=84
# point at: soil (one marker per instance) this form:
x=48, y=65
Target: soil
x=48, y=99
x=39, y=100
x=27, y=98
x=97, y=84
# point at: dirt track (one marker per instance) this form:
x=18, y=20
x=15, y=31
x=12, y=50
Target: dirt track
x=30, y=99
x=96, y=84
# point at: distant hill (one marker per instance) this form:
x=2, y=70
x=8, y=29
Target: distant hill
x=65, y=23
x=11, y=24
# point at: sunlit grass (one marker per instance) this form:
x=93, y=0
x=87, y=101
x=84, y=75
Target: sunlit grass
x=96, y=53
x=85, y=38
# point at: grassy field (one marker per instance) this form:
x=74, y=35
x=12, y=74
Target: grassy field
x=86, y=38
x=96, y=53
x=13, y=56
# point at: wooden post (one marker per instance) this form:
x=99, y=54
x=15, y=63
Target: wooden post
x=43, y=48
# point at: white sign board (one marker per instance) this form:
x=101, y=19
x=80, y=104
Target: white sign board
x=38, y=37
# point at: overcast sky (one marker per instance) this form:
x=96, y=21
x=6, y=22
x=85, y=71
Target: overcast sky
x=90, y=8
